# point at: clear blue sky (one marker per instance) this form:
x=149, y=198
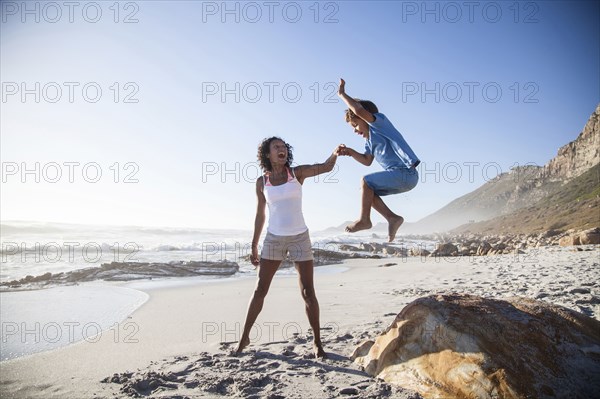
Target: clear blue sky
x=543, y=56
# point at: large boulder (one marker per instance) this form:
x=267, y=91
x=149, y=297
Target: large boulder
x=394, y=251
x=591, y=236
x=569, y=240
x=445, y=249
x=419, y=251
x=463, y=346
x=484, y=248
x=366, y=247
x=585, y=237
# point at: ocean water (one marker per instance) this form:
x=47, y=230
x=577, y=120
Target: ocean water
x=41, y=320
x=35, y=248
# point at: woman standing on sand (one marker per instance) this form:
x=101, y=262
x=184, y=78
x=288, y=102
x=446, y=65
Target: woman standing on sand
x=281, y=189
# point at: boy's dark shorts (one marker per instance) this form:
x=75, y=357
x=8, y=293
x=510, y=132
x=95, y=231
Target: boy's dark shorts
x=393, y=181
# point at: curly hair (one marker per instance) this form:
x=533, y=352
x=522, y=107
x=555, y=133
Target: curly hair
x=263, y=151
x=366, y=104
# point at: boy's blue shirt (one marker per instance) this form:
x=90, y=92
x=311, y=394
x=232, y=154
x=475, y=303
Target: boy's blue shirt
x=387, y=145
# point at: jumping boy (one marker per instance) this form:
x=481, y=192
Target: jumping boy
x=385, y=144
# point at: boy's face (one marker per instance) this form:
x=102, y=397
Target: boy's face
x=359, y=126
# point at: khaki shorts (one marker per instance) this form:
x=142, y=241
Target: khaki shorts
x=298, y=247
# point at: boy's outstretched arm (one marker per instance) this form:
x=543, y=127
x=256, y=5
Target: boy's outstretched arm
x=354, y=105
x=304, y=171
x=365, y=159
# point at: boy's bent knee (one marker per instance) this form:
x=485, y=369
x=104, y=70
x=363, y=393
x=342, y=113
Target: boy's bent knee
x=365, y=184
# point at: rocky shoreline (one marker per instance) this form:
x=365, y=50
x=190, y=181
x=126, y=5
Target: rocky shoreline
x=480, y=244
x=125, y=271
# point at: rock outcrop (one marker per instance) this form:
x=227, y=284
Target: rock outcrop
x=462, y=346
x=124, y=271
x=579, y=155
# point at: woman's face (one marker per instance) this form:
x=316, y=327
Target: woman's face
x=278, y=153
x=359, y=126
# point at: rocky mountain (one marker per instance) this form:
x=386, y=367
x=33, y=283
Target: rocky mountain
x=532, y=190
x=501, y=195
x=572, y=205
x=578, y=156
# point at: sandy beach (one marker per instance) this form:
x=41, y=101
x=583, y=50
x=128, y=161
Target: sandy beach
x=178, y=343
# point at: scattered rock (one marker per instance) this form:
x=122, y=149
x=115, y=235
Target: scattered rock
x=349, y=391
x=446, y=249
x=366, y=247
x=419, y=251
x=346, y=247
x=470, y=244
x=591, y=236
x=394, y=251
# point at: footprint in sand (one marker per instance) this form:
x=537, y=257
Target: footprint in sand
x=289, y=353
x=273, y=343
x=344, y=337
x=299, y=340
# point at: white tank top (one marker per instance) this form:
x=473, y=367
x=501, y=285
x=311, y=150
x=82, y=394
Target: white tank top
x=285, y=206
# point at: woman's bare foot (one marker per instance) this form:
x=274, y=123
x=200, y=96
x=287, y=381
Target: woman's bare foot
x=394, y=224
x=359, y=225
x=244, y=342
x=319, y=352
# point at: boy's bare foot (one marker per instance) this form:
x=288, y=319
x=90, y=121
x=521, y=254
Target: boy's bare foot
x=244, y=342
x=394, y=225
x=359, y=225
x=319, y=352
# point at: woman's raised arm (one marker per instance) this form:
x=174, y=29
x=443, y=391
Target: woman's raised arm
x=304, y=171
